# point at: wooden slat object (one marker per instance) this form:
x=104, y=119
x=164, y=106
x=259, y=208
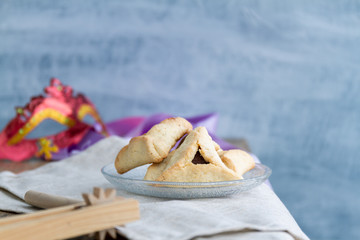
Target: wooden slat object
x=69, y=221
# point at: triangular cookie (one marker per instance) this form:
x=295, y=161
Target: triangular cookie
x=153, y=146
x=195, y=160
x=237, y=160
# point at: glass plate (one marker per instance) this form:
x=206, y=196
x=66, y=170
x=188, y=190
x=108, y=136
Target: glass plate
x=133, y=182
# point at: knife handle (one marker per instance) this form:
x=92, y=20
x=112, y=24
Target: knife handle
x=44, y=200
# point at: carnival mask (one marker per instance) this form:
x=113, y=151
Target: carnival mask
x=58, y=104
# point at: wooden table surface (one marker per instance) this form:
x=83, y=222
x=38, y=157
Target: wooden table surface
x=18, y=167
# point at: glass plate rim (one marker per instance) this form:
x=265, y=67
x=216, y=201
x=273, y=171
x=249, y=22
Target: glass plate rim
x=266, y=175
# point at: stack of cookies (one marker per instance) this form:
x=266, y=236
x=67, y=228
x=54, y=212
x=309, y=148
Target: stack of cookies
x=179, y=153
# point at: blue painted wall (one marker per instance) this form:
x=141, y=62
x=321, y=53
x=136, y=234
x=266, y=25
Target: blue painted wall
x=283, y=74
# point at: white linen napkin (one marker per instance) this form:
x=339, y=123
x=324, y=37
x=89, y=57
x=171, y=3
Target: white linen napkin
x=255, y=214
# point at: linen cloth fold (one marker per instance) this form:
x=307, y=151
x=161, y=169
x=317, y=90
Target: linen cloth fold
x=255, y=214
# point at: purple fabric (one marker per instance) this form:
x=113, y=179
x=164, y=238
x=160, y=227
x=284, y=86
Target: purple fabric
x=134, y=126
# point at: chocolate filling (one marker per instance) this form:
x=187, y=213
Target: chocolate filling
x=198, y=159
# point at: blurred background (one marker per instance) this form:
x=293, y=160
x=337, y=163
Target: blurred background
x=284, y=75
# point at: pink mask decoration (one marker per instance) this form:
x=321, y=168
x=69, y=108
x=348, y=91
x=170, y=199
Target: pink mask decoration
x=60, y=105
